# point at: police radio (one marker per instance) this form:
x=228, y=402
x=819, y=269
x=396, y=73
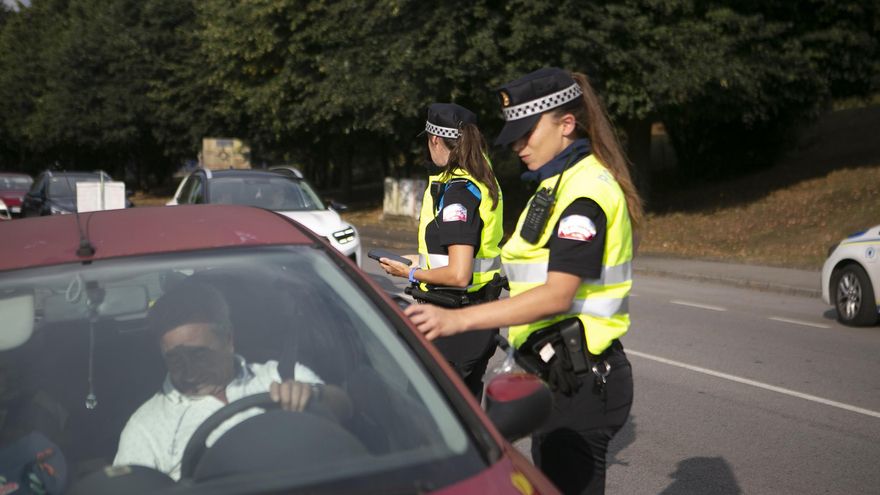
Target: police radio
x=541, y=207
x=537, y=216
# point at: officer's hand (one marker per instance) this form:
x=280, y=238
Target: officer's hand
x=561, y=376
x=412, y=257
x=394, y=268
x=434, y=321
x=292, y=395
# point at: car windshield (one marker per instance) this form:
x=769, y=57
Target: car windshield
x=15, y=182
x=273, y=193
x=65, y=185
x=85, y=368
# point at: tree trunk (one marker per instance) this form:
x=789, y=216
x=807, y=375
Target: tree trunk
x=638, y=149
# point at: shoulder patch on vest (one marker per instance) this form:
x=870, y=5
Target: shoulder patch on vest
x=576, y=228
x=455, y=212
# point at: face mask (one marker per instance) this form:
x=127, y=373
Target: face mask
x=193, y=368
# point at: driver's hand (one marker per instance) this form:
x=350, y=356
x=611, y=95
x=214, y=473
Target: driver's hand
x=291, y=395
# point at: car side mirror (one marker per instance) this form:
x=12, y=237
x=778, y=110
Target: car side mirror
x=336, y=205
x=518, y=403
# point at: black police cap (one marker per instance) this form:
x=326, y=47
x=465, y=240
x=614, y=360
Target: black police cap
x=446, y=119
x=525, y=99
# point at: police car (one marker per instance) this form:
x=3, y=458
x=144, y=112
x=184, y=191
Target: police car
x=80, y=358
x=851, y=278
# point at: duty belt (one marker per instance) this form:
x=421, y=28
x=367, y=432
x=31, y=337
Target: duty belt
x=570, y=333
x=454, y=297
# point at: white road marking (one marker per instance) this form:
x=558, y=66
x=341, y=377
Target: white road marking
x=697, y=305
x=798, y=322
x=753, y=383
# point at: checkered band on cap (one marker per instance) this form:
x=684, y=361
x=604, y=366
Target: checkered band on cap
x=543, y=103
x=446, y=132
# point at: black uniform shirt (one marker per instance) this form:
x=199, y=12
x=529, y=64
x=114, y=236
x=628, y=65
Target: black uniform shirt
x=458, y=222
x=578, y=240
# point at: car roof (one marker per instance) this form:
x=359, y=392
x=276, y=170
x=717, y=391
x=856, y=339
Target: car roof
x=84, y=173
x=54, y=239
x=15, y=174
x=242, y=173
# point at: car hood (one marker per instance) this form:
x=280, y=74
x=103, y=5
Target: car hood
x=865, y=235
x=321, y=222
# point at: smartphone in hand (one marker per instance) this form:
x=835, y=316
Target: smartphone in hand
x=377, y=254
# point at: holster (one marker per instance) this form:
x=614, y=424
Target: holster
x=456, y=297
x=563, y=336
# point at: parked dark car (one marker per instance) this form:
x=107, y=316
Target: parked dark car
x=80, y=353
x=13, y=187
x=54, y=193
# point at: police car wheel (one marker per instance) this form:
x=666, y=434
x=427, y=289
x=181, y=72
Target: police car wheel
x=853, y=296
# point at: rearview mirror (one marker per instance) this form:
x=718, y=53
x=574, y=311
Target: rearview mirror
x=518, y=403
x=114, y=301
x=338, y=206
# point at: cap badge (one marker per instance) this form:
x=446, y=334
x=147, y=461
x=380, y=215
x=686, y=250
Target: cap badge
x=505, y=99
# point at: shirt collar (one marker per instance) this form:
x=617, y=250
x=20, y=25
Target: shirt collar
x=579, y=148
x=242, y=374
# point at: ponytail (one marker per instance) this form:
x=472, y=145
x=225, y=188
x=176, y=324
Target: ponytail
x=469, y=153
x=593, y=122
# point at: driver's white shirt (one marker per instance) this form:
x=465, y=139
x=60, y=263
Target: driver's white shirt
x=157, y=433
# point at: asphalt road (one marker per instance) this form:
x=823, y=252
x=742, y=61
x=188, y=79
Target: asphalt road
x=744, y=391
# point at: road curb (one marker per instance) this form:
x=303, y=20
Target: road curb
x=736, y=282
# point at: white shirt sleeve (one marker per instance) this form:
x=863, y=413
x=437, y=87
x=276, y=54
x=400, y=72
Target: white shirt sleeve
x=135, y=447
x=303, y=374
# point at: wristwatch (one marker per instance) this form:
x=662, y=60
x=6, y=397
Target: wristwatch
x=412, y=272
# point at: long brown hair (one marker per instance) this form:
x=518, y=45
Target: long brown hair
x=469, y=153
x=593, y=122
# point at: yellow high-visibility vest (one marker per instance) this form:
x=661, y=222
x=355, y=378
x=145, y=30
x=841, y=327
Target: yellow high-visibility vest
x=487, y=260
x=601, y=304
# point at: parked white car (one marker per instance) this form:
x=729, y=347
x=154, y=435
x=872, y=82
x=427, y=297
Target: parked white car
x=851, y=278
x=284, y=193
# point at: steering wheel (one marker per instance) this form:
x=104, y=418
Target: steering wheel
x=196, y=448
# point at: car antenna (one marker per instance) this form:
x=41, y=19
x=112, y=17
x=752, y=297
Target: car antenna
x=86, y=249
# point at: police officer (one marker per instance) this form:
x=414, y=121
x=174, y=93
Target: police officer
x=569, y=265
x=460, y=228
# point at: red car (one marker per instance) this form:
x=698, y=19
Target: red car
x=13, y=187
x=81, y=362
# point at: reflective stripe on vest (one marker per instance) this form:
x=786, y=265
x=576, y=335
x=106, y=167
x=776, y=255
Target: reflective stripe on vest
x=536, y=273
x=441, y=260
x=601, y=308
x=601, y=304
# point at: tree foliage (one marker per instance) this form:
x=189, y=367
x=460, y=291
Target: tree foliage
x=341, y=87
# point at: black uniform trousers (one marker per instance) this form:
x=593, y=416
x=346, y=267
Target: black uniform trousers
x=570, y=447
x=469, y=354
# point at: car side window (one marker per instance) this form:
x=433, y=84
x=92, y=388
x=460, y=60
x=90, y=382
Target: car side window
x=198, y=192
x=37, y=186
x=186, y=191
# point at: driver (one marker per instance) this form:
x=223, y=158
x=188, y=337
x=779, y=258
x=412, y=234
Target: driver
x=204, y=374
